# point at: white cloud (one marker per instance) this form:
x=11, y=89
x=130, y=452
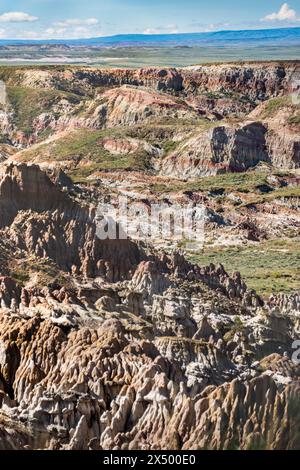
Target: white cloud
x=78, y=22
x=55, y=31
x=77, y=32
x=198, y=27
x=285, y=13
x=168, y=29
x=69, y=29
x=17, y=17
x=72, y=29
x=209, y=28
x=151, y=31
x=26, y=35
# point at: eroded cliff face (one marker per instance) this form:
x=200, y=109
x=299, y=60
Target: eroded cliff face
x=221, y=149
x=259, y=81
x=41, y=219
x=256, y=81
x=109, y=345
x=208, y=119
x=116, y=344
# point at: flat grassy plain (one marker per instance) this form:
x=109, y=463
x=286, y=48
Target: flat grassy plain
x=149, y=56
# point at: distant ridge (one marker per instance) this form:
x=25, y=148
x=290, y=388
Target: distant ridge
x=280, y=36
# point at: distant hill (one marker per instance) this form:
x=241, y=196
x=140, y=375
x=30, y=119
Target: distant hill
x=280, y=36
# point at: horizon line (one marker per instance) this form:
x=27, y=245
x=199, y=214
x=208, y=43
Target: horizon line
x=150, y=35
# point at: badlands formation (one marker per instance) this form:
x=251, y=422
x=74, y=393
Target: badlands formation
x=124, y=344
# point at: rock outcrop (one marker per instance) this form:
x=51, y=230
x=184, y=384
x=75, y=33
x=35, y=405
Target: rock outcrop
x=256, y=81
x=128, y=348
x=219, y=150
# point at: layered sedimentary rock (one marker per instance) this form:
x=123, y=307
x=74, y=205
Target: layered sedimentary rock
x=125, y=347
x=116, y=344
x=43, y=220
x=259, y=81
x=219, y=150
x=191, y=122
x=130, y=105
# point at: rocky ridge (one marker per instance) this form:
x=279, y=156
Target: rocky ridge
x=204, y=99
x=132, y=349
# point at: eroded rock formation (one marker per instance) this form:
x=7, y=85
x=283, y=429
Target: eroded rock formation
x=116, y=344
x=109, y=345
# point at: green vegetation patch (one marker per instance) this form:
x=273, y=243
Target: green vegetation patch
x=294, y=120
x=48, y=271
x=272, y=266
x=28, y=103
x=243, y=182
x=84, y=150
x=286, y=192
x=274, y=105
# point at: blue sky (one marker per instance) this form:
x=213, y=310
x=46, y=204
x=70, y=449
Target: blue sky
x=34, y=19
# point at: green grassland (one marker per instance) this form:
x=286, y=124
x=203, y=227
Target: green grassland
x=274, y=105
x=227, y=182
x=83, y=148
x=250, y=182
x=243, y=182
x=21, y=270
x=143, y=56
x=294, y=120
x=271, y=266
